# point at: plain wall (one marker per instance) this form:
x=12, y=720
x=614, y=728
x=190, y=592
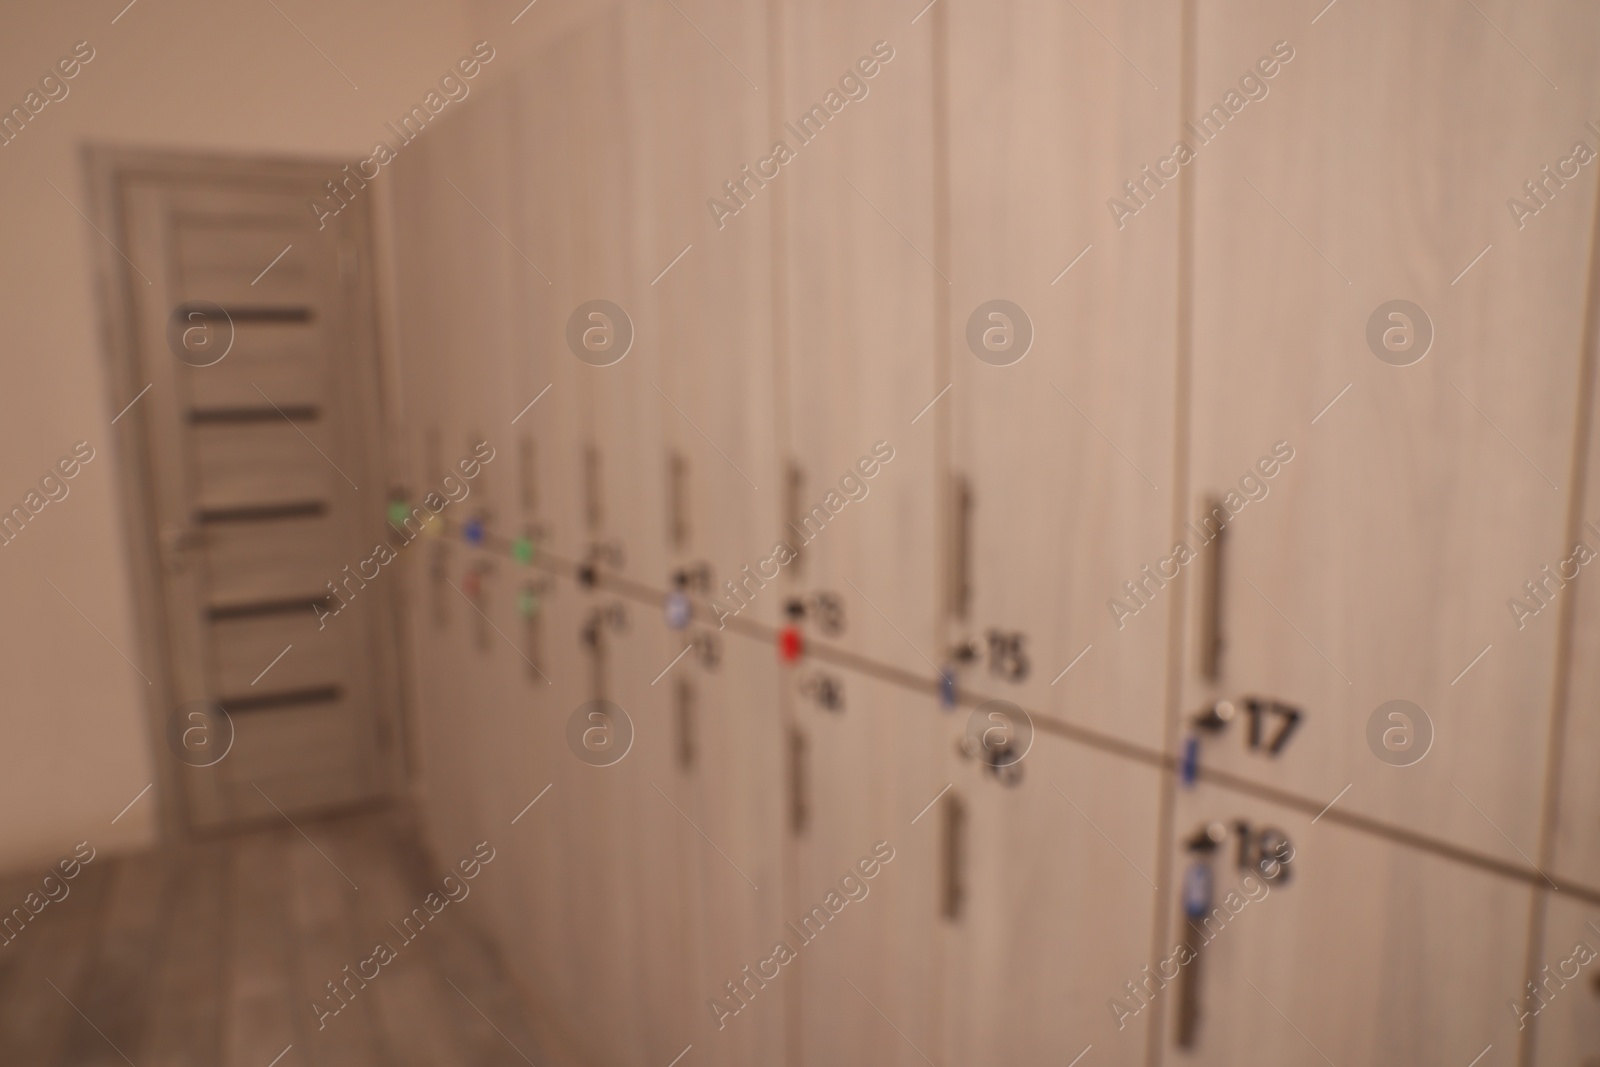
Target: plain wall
x=172, y=74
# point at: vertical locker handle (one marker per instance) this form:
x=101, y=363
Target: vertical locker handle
x=677, y=501
x=597, y=658
x=960, y=563
x=1211, y=639
x=953, y=892
x=591, y=488
x=533, y=631
x=799, y=812
x=529, y=486
x=434, y=458
x=686, y=725
x=794, y=482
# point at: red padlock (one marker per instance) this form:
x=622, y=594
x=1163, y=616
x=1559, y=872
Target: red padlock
x=472, y=584
x=791, y=646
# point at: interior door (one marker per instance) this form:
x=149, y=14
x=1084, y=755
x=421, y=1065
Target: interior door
x=253, y=334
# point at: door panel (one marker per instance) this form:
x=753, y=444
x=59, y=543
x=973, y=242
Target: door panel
x=273, y=560
x=1564, y=1010
x=255, y=518
x=1057, y=904
x=866, y=983
x=242, y=647
x=280, y=360
x=1577, y=814
x=712, y=730
x=256, y=465
x=856, y=322
x=1416, y=504
x=1360, y=928
x=232, y=255
x=1062, y=447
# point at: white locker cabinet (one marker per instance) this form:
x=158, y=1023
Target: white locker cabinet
x=1376, y=563
x=854, y=322
x=1561, y=1015
x=1366, y=951
x=857, y=777
x=1061, y=430
x=1057, y=897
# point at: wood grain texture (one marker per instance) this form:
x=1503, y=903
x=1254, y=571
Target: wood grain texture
x=1380, y=564
x=199, y=223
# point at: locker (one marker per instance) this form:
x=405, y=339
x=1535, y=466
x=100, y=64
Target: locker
x=1423, y=950
x=1061, y=436
x=795, y=319
x=1057, y=901
x=860, y=275
x=621, y=915
x=863, y=980
x=727, y=779
x=1576, y=708
x=1560, y=1017
x=1387, y=482
x=496, y=744
x=704, y=310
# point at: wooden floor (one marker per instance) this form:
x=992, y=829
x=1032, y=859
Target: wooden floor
x=211, y=954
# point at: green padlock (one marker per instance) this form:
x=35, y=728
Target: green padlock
x=528, y=602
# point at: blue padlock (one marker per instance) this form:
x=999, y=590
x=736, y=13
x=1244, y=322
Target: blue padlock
x=678, y=610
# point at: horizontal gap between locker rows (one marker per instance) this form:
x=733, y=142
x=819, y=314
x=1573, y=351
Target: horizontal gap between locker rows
x=298, y=509
x=246, y=314
x=321, y=694
x=1115, y=746
x=214, y=416
x=254, y=608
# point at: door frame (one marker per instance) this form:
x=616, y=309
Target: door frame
x=108, y=168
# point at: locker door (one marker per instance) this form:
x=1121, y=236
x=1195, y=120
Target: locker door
x=1061, y=403
x=706, y=312
x=1389, y=477
x=864, y=972
x=493, y=701
x=577, y=217
x=861, y=278
x=1340, y=958
x=1576, y=606
x=1562, y=1012
x=1053, y=880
